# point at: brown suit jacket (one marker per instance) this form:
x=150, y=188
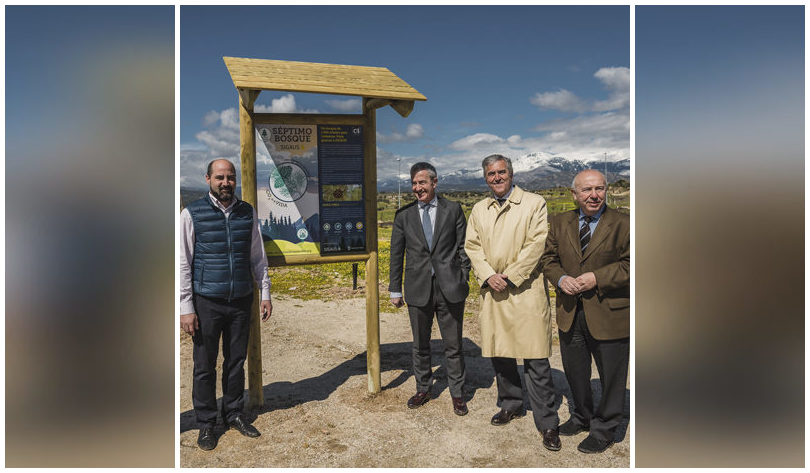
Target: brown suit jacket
x=607, y=306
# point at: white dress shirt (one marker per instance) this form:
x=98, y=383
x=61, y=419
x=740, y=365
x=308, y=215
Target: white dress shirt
x=258, y=258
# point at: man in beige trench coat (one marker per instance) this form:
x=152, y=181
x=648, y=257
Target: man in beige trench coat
x=506, y=234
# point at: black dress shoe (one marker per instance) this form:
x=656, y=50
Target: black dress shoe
x=572, y=428
x=418, y=399
x=244, y=427
x=207, y=440
x=551, y=439
x=459, y=406
x=592, y=445
x=503, y=417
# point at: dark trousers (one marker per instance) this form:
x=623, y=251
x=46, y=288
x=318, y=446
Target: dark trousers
x=449, y=317
x=539, y=386
x=577, y=346
x=231, y=321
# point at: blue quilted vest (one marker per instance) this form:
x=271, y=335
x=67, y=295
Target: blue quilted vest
x=221, y=264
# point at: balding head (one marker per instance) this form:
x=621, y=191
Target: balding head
x=219, y=162
x=221, y=178
x=588, y=173
x=588, y=190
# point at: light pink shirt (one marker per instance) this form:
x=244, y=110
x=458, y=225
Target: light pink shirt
x=258, y=259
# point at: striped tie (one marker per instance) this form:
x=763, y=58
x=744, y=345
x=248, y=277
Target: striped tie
x=585, y=233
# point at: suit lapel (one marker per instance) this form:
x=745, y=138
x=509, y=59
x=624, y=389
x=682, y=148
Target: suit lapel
x=573, y=231
x=601, y=232
x=417, y=223
x=441, y=217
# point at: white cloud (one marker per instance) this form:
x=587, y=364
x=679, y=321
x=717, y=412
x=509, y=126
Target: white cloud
x=562, y=100
x=346, y=106
x=413, y=132
x=514, y=140
x=469, y=142
x=210, y=118
x=617, y=81
x=604, y=132
x=283, y=104
x=614, y=78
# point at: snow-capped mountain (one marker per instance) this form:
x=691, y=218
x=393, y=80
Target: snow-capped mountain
x=532, y=171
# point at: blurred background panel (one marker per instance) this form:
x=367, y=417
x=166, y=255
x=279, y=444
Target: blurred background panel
x=719, y=236
x=89, y=202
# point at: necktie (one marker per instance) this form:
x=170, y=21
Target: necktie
x=585, y=233
x=426, y=226
x=501, y=201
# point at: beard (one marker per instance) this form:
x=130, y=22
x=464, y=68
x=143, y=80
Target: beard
x=223, y=195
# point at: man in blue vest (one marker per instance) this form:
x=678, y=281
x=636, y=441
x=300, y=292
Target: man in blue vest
x=221, y=254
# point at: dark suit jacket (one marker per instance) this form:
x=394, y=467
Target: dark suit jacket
x=607, y=306
x=449, y=260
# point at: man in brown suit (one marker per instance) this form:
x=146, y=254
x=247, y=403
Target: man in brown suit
x=587, y=257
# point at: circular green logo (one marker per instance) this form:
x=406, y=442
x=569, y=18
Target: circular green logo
x=288, y=181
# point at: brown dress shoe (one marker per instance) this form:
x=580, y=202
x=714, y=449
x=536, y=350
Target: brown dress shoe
x=551, y=439
x=459, y=406
x=503, y=417
x=418, y=399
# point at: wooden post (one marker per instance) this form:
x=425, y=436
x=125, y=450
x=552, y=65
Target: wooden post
x=372, y=288
x=247, y=153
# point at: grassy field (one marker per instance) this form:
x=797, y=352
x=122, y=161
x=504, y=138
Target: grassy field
x=334, y=281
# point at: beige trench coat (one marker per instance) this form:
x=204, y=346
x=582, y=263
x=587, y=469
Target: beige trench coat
x=510, y=239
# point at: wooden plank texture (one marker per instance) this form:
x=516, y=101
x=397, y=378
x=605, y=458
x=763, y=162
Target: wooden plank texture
x=337, y=79
x=372, y=275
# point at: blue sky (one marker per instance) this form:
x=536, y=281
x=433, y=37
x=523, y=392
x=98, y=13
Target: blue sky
x=513, y=80
x=63, y=60
x=709, y=72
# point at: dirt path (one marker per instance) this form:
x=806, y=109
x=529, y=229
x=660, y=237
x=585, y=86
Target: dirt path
x=318, y=412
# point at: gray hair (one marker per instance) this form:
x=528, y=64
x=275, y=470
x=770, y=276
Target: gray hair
x=492, y=158
x=423, y=166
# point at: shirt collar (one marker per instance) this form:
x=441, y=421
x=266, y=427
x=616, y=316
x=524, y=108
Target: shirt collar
x=432, y=203
x=219, y=204
x=506, y=196
x=596, y=216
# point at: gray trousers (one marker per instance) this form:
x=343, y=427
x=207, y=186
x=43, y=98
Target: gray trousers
x=450, y=317
x=539, y=386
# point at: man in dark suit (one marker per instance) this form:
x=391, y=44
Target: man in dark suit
x=587, y=257
x=431, y=231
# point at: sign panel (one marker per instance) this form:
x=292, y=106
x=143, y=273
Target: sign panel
x=340, y=171
x=287, y=190
x=310, y=191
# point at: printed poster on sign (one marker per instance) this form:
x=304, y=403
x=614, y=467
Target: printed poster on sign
x=287, y=189
x=341, y=171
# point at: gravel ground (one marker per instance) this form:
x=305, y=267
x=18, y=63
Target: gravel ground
x=318, y=412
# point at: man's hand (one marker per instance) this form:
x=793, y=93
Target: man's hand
x=189, y=323
x=397, y=302
x=570, y=286
x=497, y=282
x=587, y=281
x=266, y=310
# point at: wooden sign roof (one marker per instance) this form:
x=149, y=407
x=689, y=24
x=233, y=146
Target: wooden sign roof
x=292, y=76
